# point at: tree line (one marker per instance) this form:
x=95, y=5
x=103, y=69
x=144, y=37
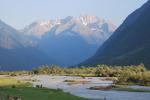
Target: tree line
x=133, y=74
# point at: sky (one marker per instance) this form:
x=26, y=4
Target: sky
x=19, y=13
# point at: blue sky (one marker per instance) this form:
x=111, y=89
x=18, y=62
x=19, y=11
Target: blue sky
x=19, y=13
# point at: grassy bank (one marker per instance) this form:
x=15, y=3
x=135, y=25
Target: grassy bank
x=30, y=93
x=11, y=82
x=118, y=88
x=12, y=88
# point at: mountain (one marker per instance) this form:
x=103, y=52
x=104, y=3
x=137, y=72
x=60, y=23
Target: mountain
x=73, y=39
x=91, y=24
x=39, y=28
x=130, y=43
x=65, y=42
x=7, y=39
x=14, y=55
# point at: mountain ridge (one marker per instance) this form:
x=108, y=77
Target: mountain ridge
x=129, y=44
x=14, y=55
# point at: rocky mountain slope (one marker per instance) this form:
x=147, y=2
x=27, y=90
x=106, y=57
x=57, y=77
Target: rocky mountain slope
x=130, y=43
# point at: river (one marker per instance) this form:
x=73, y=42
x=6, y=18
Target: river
x=82, y=90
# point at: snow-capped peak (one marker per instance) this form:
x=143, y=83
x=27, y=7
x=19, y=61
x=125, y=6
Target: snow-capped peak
x=40, y=27
x=85, y=20
x=49, y=23
x=83, y=24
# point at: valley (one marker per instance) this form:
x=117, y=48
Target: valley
x=74, y=50
x=112, y=83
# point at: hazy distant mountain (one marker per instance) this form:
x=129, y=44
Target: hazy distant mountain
x=130, y=43
x=9, y=37
x=64, y=42
x=74, y=39
x=14, y=54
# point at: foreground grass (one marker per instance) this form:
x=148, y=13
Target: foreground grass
x=30, y=93
x=14, y=88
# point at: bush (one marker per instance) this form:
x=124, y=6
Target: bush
x=13, y=86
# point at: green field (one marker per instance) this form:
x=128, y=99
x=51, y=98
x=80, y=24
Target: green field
x=10, y=87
